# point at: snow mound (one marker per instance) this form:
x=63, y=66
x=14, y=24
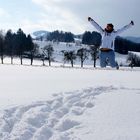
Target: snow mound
x=55, y=119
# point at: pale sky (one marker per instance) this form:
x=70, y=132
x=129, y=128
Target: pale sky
x=68, y=15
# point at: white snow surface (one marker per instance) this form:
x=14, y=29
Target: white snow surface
x=55, y=103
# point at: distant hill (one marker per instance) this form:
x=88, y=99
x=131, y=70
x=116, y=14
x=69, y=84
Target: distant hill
x=40, y=34
x=133, y=39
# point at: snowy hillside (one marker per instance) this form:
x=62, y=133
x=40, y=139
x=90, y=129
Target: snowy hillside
x=39, y=34
x=53, y=103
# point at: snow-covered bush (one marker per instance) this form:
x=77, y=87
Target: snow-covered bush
x=134, y=59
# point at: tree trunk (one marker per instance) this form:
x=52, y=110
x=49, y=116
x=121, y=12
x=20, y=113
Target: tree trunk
x=72, y=63
x=49, y=60
x=12, y=60
x=94, y=63
x=95, y=60
x=21, y=60
x=2, y=59
x=32, y=57
x=82, y=63
x=31, y=61
x=43, y=62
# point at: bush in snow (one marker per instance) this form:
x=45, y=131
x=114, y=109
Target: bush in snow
x=134, y=59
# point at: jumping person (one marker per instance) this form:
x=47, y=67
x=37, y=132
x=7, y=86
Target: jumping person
x=108, y=38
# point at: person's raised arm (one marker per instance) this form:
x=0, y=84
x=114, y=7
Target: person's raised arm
x=96, y=25
x=125, y=28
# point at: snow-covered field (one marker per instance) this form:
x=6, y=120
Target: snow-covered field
x=55, y=103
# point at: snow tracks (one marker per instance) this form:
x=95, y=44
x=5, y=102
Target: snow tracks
x=56, y=119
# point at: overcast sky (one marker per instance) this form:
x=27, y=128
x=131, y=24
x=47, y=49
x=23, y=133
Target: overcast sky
x=68, y=15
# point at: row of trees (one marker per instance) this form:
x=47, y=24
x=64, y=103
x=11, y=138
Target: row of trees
x=82, y=54
x=123, y=46
x=16, y=44
x=60, y=36
x=70, y=56
x=91, y=38
x=21, y=45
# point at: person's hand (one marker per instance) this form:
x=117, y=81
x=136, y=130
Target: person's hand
x=90, y=19
x=132, y=22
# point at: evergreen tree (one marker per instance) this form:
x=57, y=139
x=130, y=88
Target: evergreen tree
x=9, y=43
x=93, y=38
x=96, y=38
x=60, y=36
x=21, y=43
x=69, y=37
x=29, y=43
x=1, y=47
x=30, y=47
x=87, y=37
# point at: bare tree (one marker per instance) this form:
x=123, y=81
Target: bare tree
x=33, y=52
x=43, y=59
x=83, y=55
x=94, y=51
x=48, y=53
x=69, y=57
